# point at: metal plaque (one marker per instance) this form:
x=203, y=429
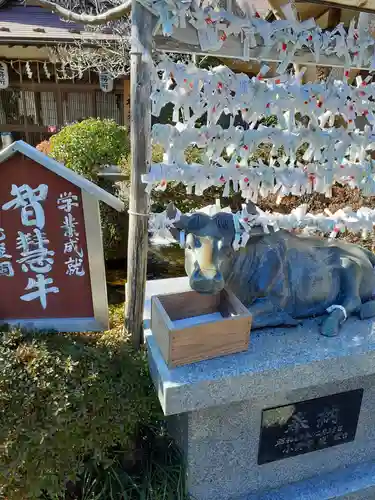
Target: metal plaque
x=309, y=425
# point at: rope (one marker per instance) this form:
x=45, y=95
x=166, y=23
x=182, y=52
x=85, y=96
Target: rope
x=336, y=306
x=130, y=212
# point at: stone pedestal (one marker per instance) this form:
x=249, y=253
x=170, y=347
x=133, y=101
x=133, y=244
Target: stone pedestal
x=218, y=412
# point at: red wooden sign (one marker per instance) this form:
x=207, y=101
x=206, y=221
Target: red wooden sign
x=44, y=269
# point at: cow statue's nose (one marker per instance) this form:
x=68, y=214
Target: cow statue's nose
x=202, y=284
x=218, y=277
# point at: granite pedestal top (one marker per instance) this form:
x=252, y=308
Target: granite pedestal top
x=278, y=360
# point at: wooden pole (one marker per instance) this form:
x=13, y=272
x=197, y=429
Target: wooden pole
x=140, y=136
x=127, y=103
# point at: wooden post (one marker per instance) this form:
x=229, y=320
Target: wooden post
x=127, y=103
x=140, y=136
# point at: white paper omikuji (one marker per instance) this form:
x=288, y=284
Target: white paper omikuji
x=361, y=221
x=330, y=154
x=221, y=91
x=260, y=179
x=214, y=25
x=325, y=146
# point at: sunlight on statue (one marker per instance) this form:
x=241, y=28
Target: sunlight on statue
x=280, y=276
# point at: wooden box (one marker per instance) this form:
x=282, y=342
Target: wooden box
x=190, y=327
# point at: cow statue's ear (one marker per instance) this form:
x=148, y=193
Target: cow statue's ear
x=171, y=211
x=251, y=209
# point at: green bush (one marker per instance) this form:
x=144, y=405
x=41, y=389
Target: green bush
x=192, y=154
x=86, y=147
x=159, y=475
x=64, y=400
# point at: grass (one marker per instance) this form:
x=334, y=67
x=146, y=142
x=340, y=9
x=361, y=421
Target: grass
x=159, y=476
x=157, y=472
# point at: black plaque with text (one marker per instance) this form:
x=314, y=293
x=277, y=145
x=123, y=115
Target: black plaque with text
x=309, y=425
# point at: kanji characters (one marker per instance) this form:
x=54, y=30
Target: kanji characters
x=6, y=269
x=3, y=252
x=298, y=422
x=328, y=416
x=75, y=266
x=41, y=289
x=69, y=226
x=71, y=245
x=28, y=199
x=35, y=255
x=67, y=201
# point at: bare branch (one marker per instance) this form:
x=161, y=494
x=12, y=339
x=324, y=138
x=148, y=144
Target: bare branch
x=111, y=58
x=102, y=18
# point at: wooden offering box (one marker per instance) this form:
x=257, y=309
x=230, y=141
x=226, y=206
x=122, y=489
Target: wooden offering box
x=190, y=327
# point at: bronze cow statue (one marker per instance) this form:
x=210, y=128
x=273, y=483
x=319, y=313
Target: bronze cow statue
x=281, y=277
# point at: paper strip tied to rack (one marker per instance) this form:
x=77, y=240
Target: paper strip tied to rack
x=262, y=180
x=286, y=37
x=195, y=92
x=326, y=223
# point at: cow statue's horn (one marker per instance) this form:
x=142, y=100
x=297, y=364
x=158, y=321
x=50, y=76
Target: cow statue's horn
x=251, y=209
x=171, y=211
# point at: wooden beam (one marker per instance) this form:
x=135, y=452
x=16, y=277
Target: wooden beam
x=329, y=19
x=38, y=108
x=305, y=10
x=140, y=137
x=367, y=6
x=58, y=99
x=65, y=87
x=334, y=17
x=20, y=127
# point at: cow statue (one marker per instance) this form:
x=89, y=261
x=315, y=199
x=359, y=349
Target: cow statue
x=281, y=277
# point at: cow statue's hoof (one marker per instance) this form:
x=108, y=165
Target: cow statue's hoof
x=367, y=310
x=331, y=324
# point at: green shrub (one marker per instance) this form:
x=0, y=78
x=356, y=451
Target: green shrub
x=66, y=399
x=86, y=147
x=159, y=474
x=192, y=154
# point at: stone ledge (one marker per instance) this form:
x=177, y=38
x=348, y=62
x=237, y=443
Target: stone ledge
x=278, y=360
x=355, y=482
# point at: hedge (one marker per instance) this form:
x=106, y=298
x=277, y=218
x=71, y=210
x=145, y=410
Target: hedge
x=66, y=399
x=86, y=147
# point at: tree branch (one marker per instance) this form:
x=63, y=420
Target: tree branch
x=102, y=18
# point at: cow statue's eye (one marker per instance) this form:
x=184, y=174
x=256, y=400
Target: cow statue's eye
x=189, y=242
x=223, y=250
x=197, y=243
